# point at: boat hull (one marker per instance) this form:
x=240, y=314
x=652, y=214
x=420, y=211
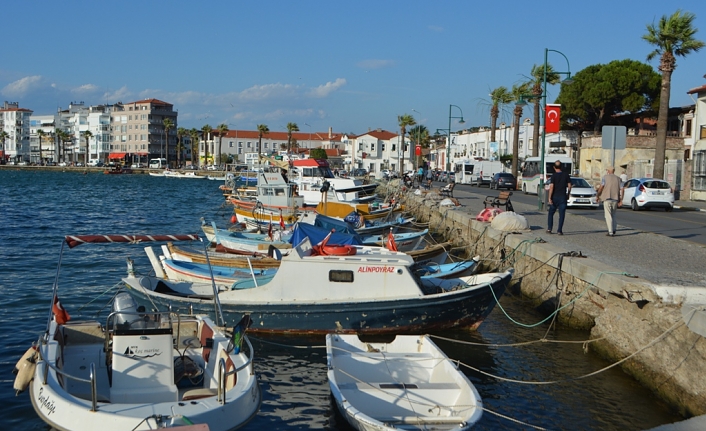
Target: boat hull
x=459, y=308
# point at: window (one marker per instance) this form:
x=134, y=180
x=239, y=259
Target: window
x=394, y=147
x=699, y=172
x=382, y=147
x=688, y=127
x=340, y=276
x=372, y=147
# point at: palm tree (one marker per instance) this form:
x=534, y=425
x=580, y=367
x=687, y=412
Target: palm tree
x=262, y=129
x=518, y=90
x=404, y=121
x=206, y=131
x=41, y=134
x=673, y=35
x=291, y=127
x=168, y=125
x=537, y=81
x=86, y=135
x=3, y=136
x=63, y=138
x=498, y=97
x=222, y=130
x=181, y=132
x=194, y=135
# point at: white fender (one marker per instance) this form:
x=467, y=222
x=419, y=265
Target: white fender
x=25, y=370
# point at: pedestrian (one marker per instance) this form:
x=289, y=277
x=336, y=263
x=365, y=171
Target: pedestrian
x=559, y=188
x=623, y=177
x=611, y=193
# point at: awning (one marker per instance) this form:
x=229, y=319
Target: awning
x=141, y=154
x=116, y=155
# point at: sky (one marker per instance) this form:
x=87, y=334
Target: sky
x=351, y=66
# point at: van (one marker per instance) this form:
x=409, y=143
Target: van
x=484, y=170
x=158, y=163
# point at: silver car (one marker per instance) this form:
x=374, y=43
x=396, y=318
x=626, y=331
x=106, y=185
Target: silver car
x=648, y=193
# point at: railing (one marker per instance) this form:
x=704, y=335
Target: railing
x=91, y=380
x=223, y=374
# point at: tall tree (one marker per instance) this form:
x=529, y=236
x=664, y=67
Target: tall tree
x=537, y=79
x=63, y=138
x=498, y=97
x=181, y=132
x=262, y=129
x=222, y=130
x=205, y=134
x=194, y=135
x=168, y=125
x=41, y=134
x=600, y=92
x=672, y=36
x=518, y=90
x=291, y=127
x=87, y=135
x=404, y=121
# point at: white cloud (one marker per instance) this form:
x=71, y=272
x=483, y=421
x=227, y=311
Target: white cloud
x=328, y=88
x=375, y=64
x=23, y=86
x=83, y=89
x=268, y=91
x=120, y=95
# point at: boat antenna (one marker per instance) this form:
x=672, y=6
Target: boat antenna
x=216, y=300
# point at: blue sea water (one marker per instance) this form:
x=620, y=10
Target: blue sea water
x=38, y=208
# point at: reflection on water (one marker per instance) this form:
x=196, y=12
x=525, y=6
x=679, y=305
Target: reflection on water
x=39, y=208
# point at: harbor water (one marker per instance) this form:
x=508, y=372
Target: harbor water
x=38, y=208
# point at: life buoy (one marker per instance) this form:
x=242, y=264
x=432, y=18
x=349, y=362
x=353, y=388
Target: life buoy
x=323, y=249
x=25, y=370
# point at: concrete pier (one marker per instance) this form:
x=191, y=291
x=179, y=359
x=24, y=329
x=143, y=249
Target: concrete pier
x=646, y=313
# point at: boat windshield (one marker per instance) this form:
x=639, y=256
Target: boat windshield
x=321, y=171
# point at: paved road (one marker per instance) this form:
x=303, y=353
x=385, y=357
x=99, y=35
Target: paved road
x=678, y=224
x=654, y=245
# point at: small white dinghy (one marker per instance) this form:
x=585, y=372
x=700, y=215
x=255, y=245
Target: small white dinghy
x=406, y=384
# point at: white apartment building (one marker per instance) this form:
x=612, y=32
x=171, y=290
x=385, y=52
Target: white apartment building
x=14, y=125
x=377, y=150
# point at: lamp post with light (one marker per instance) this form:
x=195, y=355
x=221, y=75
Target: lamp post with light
x=448, y=142
x=541, y=195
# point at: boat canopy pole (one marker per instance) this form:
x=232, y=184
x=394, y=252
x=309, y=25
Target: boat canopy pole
x=216, y=300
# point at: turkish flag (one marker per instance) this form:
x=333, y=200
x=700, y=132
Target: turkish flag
x=552, y=117
x=418, y=150
x=281, y=220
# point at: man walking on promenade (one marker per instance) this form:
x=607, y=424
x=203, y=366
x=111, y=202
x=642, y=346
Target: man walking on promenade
x=559, y=188
x=611, y=193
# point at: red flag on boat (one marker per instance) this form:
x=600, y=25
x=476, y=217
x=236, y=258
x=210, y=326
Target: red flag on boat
x=60, y=313
x=281, y=220
x=391, y=245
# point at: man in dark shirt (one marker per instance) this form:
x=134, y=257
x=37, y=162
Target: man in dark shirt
x=559, y=188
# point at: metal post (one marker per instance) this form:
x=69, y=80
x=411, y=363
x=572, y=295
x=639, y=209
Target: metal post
x=541, y=194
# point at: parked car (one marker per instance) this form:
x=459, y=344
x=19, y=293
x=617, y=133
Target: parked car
x=63, y=164
x=503, y=180
x=360, y=172
x=582, y=194
x=95, y=163
x=648, y=193
x=138, y=165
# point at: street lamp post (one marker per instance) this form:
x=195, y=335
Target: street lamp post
x=448, y=143
x=416, y=166
x=308, y=144
x=544, y=128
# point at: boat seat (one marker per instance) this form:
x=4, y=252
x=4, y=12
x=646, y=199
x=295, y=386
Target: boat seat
x=195, y=394
x=387, y=386
x=425, y=420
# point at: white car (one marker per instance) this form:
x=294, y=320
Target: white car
x=62, y=164
x=582, y=194
x=648, y=193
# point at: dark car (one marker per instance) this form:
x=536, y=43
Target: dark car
x=503, y=180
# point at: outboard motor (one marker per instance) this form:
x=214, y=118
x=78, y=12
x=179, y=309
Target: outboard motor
x=127, y=311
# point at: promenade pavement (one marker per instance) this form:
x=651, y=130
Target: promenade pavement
x=653, y=258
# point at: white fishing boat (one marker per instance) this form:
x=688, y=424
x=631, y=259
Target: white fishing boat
x=317, y=183
x=407, y=384
x=134, y=370
x=342, y=288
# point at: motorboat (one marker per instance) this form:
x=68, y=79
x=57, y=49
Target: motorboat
x=405, y=384
x=316, y=183
x=134, y=370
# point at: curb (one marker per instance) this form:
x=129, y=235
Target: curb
x=685, y=208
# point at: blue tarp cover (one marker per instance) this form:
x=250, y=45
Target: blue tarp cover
x=328, y=223
x=317, y=234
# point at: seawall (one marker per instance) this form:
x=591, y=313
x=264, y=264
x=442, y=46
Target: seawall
x=635, y=322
